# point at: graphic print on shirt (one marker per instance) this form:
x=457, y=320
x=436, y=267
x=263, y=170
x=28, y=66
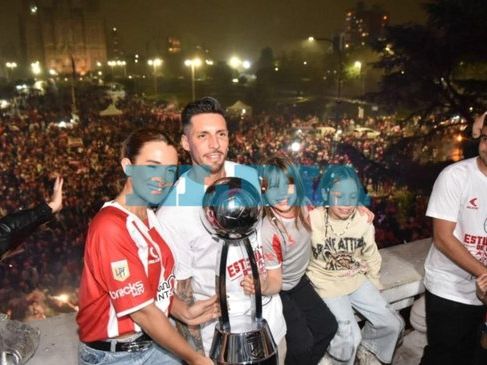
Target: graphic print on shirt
x=241, y=267
x=337, y=252
x=477, y=246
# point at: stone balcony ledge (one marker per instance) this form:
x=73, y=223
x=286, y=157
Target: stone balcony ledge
x=402, y=276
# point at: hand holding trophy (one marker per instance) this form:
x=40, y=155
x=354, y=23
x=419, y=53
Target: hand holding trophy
x=231, y=212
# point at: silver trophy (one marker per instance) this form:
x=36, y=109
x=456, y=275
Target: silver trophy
x=18, y=342
x=231, y=211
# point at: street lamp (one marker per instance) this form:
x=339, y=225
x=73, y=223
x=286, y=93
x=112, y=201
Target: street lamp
x=10, y=68
x=155, y=63
x=239, y=64
x=193, y=63
x=118, y=63
x=112, y=64
x=235, y=62
x=123, y=64
x=336, y=48
x=360, y=70
x=36, y=68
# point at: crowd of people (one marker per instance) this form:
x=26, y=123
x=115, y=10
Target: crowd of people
x=35, y=148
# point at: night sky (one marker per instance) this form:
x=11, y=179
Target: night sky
x=223, y=26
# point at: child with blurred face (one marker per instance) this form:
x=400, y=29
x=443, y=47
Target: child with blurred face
x=344, y=269
x=287, y=250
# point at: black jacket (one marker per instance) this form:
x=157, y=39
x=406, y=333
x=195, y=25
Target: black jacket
x=15, y=227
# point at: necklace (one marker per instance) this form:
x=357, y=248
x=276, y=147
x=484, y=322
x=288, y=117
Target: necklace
x=328, y=224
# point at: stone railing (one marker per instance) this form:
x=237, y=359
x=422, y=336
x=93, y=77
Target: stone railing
x=402, y=273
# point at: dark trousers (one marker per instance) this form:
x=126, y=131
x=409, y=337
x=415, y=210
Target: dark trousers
x=453, y=332
x=310, y=324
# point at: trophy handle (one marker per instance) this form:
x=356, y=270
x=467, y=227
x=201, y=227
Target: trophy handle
x=222, y=288
x=256, y=278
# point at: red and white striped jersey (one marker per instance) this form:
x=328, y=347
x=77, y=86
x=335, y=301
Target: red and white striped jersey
x=127, y=266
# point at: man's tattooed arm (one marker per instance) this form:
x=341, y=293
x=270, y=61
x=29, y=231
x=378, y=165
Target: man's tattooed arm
x=192, y=334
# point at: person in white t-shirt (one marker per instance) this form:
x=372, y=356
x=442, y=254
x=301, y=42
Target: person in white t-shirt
x=454, y=314
x=205, y=137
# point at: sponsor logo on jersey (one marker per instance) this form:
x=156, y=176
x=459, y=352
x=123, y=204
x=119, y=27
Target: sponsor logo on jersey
x=132, y=289
x=473, y=204
x=165, y=289
x=153, y=255
x=120, y=270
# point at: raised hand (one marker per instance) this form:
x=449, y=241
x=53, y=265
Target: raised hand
x=478, y=124
x=56, y=202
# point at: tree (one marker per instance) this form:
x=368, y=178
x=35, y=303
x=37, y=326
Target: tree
x=437, y=67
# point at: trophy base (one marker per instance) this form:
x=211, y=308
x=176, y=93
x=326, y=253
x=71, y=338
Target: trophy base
x=254, y=346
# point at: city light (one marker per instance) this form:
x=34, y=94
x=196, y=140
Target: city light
x=357, y=65
x=36, y=68
x=234, y=62
x=237, y=63
x=193, y=63
x=295, y=146
x=311, y=39
x=156, y=62
x=118, y=63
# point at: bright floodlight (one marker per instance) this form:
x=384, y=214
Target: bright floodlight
x=311, y=38
x=36, y=67
x=156, y=62
x=235, y=62
x=295, y=146
x=195, y=62
x=246, y=64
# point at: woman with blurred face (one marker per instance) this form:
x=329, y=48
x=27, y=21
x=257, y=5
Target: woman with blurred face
x=126, y=291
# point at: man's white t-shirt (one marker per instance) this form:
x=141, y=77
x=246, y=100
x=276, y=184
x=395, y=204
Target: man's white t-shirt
x=197, y=253
x=459, y=195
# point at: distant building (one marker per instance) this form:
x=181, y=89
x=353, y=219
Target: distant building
x=115, y=51
x=364, y=25
x=173, y=45
x=60, y=33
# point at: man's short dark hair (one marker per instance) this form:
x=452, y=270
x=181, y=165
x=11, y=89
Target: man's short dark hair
x=200, y=106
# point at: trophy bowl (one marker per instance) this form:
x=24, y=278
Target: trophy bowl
x=232, y=211
x=232, y=208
